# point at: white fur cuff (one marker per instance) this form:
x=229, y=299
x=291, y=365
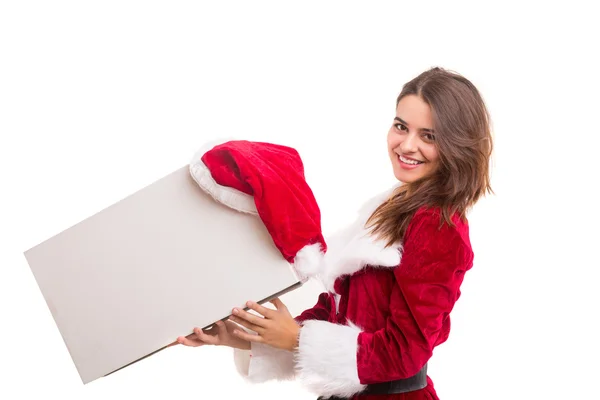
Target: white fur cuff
x=263, y=363
x=326, y=359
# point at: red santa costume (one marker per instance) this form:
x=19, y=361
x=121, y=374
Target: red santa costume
x=384, y=310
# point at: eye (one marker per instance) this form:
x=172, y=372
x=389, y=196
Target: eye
x=401, y=127
x=429, y=137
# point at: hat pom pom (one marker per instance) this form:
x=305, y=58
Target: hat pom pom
x=308, y=262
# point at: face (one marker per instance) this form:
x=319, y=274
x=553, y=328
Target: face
x=411, y=141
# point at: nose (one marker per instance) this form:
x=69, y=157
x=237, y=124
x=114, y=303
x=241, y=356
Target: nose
x=409, y=144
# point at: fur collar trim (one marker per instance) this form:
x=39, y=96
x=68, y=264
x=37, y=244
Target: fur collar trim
x=352, y=248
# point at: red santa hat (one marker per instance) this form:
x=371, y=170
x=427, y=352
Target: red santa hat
x=267, y=180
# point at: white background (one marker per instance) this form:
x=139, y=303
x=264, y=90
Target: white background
x=99, y=99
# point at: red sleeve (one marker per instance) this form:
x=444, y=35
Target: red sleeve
x=428, y=279
x=320, y=311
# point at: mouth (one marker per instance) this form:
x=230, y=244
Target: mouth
x=409, y=161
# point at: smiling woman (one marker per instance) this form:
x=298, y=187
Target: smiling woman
x=394, y=275
x=412, y=146
x=440, y=145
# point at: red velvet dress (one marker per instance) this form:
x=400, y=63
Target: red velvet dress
x=384, y=312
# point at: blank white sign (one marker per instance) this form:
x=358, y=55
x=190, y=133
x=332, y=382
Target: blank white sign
x=127, y=281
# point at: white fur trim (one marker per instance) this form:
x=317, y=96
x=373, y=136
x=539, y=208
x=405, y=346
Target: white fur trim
x=309, y=261
x=326, y=359
x=228, y=196
x=264, y=363
x=353, y=248
x=371, y=205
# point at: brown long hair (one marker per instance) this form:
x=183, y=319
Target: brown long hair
x=463, y=137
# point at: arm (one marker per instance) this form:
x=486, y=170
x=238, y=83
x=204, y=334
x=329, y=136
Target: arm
x=343, y=359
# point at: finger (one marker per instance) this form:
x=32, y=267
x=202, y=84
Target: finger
x=230, y=325
x=213, y=330
x=282, y=308
x=220, y=326
x=222, y=329
x=189, y=342
x=264, y=311
x=278, y=304
x=253, y=319
x=206, y=338
x=248, y=336
x=246, y=324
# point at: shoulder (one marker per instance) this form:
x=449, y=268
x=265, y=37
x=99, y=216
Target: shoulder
x=431, y=219
x=428, y=232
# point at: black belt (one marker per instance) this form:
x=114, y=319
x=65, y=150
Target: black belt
x=415, y=382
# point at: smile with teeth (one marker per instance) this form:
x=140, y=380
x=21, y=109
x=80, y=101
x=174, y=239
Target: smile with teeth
x=409, y=161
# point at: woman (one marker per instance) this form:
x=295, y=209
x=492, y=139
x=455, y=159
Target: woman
x=392, y=277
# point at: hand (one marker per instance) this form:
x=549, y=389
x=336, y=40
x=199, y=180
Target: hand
x=219, y=335
x=276, y=328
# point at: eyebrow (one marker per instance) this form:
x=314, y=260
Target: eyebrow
x=406, y=123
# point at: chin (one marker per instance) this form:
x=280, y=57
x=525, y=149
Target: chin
x=410, y=176
x=405, y=178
